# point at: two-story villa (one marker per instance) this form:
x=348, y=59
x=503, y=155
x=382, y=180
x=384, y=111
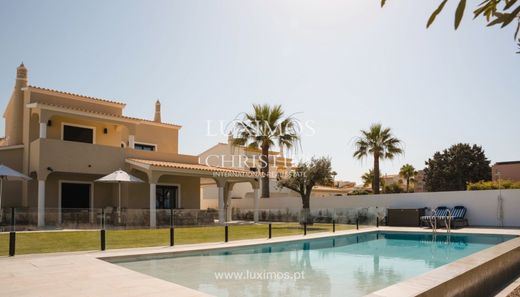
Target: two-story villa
x=66, y=141
x=232, y=156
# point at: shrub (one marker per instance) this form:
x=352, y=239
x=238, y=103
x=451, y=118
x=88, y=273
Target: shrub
x=493, y=185
x=358, y=192
x=393, y=188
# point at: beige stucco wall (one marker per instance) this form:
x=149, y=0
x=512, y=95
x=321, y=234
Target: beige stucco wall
x=14, y=113
x=165, y=138
x=481, y=205
x=103, y=193
x=12, y=190
x=137, y=195
x=112, y=138
x=190, y=189
x=68, y=156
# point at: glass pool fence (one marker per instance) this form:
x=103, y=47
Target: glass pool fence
x=25, y=230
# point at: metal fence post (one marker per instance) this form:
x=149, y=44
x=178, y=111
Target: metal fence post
x=103, y=235
x=12, y=243
x=12, y=235
x=270, y=230
x=377, y=222
x=333, y=226
x=226, y=233
x=172, y=230
x=357, y=223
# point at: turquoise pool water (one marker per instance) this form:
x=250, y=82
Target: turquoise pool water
x=352, y=265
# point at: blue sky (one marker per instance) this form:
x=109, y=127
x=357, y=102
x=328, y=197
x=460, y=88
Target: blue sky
x=340, y=64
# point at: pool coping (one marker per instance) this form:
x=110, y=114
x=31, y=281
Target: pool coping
x=26, y=275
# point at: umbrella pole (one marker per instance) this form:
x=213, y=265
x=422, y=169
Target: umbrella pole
x=119, y=205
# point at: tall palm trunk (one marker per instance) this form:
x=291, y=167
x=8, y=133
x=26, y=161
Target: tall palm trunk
x=407, y=184
x=265, y=171
x=375, y=184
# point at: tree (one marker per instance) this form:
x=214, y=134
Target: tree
x=305, y=176
x=368, y=178
x=496, y=12
x=408, y=173
x=262, y=129
x=453, y=168
x=379, y=143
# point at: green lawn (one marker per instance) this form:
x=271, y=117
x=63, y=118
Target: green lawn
x=67, y=241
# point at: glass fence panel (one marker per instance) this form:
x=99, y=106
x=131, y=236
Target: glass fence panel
x=25, y=219
x=132, y=238
x=286, y=229
x=4, y=244
x=199, y=226
x=79, y=229
x=31, y=242
x=320, y=220
x=5, y=219
x=248, y=231
x=129, y=228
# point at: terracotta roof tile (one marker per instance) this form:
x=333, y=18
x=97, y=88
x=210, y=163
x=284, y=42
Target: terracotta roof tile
x=103, y=113
x=78, y=95
x=201, y=167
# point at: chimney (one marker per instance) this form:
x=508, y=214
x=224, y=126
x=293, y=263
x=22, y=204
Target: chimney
x=21, y=77
x=15, y=109
x=157, y=117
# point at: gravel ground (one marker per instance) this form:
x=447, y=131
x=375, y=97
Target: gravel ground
x=515, y=293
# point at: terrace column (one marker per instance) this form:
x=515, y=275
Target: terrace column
x=257, y=203
x=152, y=205
x=131, y=141
x=41, y=203
x=43, y=130
x=221, y=206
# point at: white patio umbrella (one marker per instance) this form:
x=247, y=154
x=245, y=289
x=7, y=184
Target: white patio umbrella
x=7, y=173
x=119, y=177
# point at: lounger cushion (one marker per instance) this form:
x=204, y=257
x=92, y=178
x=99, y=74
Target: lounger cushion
x=458, y=212
x=441, y=211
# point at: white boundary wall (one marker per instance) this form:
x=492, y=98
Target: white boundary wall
x=481, y=205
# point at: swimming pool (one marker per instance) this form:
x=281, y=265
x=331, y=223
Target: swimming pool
x=350, y=265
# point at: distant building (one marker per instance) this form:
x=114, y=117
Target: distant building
x=508, y=170
x=229, y=155
x=344, y=184
x=390, y=179
x=419, y=185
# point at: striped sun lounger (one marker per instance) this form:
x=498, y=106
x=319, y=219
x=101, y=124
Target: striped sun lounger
x=441, y=211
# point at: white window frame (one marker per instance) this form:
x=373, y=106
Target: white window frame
x=63, y=181
x=144, y=143
x=63, y=124
x=178, y=191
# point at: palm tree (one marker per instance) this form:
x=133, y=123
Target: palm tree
x=368, y=178
x=379, y=143
x=265, y=127
x=407, y=172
